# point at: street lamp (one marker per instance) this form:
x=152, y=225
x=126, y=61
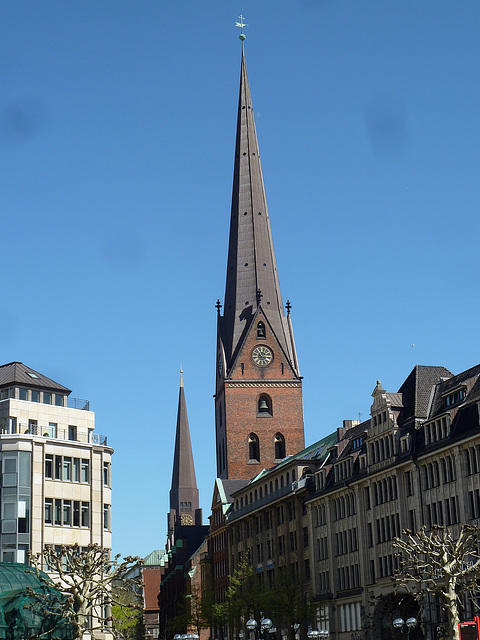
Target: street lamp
x=265, y=625
x=315, y=634
x=410, y=623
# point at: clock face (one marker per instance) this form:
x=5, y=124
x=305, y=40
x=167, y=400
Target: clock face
x=262, y=356
x=186, y=519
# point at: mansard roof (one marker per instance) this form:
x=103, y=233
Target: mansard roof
x=19, y=373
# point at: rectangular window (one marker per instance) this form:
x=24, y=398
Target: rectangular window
x=85, y=514
x=35, y=395
x=48, y=511
x=106, y=516
x=67, y=512
x=85, y=470
x=47, y=398
x=58, y=511
x=76, y=469
x=58, y=467
x=67, y=468
x=22, y=394
x=48, y=465
x=76, y=513
x=58, y=400
x=106, y=474
x=72, y=432
x=52, y=429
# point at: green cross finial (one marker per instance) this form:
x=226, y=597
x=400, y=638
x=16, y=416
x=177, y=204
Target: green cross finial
x=241, y=24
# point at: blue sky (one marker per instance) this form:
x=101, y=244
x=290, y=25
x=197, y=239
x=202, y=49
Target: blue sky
x=117, y=133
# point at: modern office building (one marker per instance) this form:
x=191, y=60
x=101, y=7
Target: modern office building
x=56, y=471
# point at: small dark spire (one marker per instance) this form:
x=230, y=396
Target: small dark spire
x=218, y=306
x=288, y=307
x=259, y=296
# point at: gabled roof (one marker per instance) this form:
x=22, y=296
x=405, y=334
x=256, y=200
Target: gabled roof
x=19, y=373
x=226, y=488
x=251, y=263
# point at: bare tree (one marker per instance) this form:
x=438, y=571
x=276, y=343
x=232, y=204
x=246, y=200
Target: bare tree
x=86, y=576
x=440, y=563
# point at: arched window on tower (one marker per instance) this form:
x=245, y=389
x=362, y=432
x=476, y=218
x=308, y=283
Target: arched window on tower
x=279, y=447
x=261, y=330
x=253, y=448
x=264, y=406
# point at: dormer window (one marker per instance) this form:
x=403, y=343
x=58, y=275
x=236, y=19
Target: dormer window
x=455, y=397
x=261, y=330
x=357, y=443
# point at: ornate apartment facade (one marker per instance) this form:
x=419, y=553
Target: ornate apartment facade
x=56, y=471
x=330, y=512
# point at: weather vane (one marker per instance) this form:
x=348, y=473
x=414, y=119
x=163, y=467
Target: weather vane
x=241, y=24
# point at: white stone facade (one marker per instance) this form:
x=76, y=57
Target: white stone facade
x=56, y=472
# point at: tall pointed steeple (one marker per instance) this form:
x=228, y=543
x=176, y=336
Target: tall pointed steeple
x=258, y=399
x=252, y=277
x=184, y=500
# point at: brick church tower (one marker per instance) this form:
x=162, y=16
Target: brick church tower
x=258, y=399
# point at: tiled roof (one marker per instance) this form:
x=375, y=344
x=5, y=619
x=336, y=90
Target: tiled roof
x=395, y=399
x=470, y=378
x=230, y=486
x=19, y=373
x=417, y=390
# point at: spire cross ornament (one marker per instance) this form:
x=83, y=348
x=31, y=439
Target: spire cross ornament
x=241, y=24
x=218, y=306
x=288, y=307
x=259, y=296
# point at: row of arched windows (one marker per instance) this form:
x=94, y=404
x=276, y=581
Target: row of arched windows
x=254, y=447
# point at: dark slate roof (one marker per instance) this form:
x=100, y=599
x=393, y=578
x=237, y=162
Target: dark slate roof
x=19, y=373
x=417, y=390
x=395, y=399
x=473, y=389
x=231, y=486
x=183, y=475
x=251, y=263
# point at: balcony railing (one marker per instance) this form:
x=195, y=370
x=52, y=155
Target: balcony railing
x=78, y=403
x=56, y=434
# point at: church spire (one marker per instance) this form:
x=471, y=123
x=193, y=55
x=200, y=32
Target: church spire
x=184, y=493
x=252, y=278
